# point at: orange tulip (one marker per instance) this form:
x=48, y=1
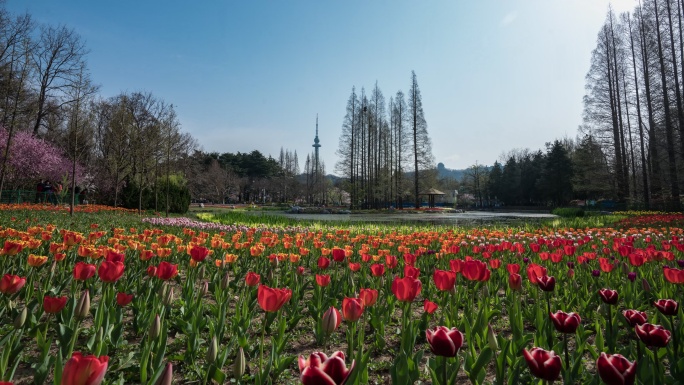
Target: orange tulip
x=36, y=260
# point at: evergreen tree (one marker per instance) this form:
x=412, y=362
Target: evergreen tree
x=556, y=179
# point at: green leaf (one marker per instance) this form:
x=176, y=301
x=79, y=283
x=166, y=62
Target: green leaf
x=482, y=360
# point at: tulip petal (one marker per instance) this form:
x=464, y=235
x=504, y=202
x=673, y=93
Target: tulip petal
x=336, y=369
x=442, y=345
x=316, y=376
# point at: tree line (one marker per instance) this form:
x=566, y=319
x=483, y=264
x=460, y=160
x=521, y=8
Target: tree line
x=634, y=110
x=128, y=143
x=385, y=151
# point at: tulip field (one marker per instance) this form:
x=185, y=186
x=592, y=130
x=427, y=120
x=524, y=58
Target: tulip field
x=110, y=297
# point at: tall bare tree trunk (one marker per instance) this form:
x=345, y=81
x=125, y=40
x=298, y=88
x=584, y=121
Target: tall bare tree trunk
x=669, y=134
x=640, y=122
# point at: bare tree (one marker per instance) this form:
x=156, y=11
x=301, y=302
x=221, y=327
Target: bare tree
x=79, y=130
x=57, y=59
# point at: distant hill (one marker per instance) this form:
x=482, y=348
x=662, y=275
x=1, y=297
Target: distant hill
x=443, y=172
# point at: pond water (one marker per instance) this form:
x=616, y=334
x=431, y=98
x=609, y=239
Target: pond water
x=469, y=217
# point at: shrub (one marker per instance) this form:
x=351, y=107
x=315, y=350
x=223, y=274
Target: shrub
x=568, y=212
x=154, y=197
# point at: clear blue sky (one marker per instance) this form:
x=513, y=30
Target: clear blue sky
x=494, y=74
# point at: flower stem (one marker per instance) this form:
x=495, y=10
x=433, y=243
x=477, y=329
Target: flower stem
x=445, y=375
x=567, y=358
x=610, y=330
x=675, y=342
x=261, y=347
x=549, y=330
x=656, y=372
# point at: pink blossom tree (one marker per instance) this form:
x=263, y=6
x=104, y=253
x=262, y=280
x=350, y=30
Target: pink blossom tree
x=31, y=159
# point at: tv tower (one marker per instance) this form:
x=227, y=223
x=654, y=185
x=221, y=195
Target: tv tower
x=316, y=145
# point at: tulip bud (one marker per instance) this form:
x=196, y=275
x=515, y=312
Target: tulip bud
x=225, y=281
x=53, y=267
x=485, y=291
x=491, y=338
x=155, y=329
x=205, y=288
x=645, y=285
x=167, y=376
x=167, y=300
x=331, y=320
x=625, y=268
x=83, y=306
x=20, y=319
x=239, y=364
x=212, y=351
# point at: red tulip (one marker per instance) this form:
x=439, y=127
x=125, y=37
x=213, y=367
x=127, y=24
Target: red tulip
x=10, y=284
x=300, y=270
x=151, y=271
x=569, y=250
x=320, y=369
x=110, y=271
x=444, y=280
x=675, y=276
x=546, y=283
x=323, y=263
x=475, y=270
x=565, y=322
x=455, y=265
x=338, y=254
x=331, y=320
x=429, y=306
x=83, y=271
x=406, y=289
x=615, y=369
x=609, y=296
x=252, y=279
x=410, y=259
x=515, y=282
x=513, y=268
x=272, y=299
x=410, y=271
x=322, y=280
x=80, y=370
x=123, y=299
x=667, y=306
x=199, y=253
x=535, y=271
x=54, y=305
x=635, y=317
x=166, y=271
x=653, y=335
x=377, y=269
x=391, y=261
x=352, y=309
x=354, y=266
x=443, y=341
x=114, y=256
x=368, y=296
x=494, y=263
x=543, y=364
